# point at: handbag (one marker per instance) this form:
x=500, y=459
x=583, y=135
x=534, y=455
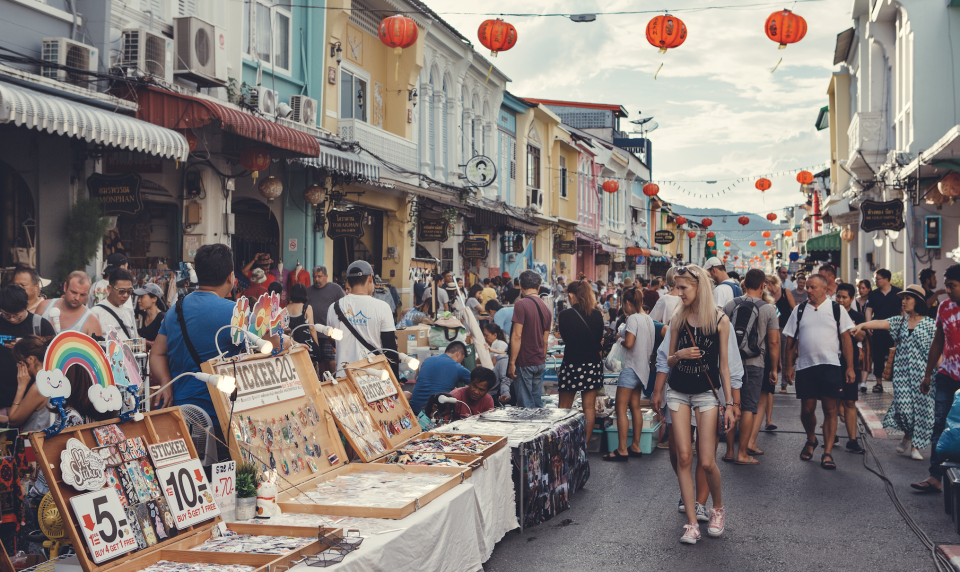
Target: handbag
x=445, y=331
x=25, y=256
x=721, y=415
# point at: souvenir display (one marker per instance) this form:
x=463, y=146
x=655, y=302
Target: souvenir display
x=254, y=544
x=374, y=489
x=515, y=432
x=527, y=415
x=166, y=566
x=429, y=459
x=434, y=443
x=356, y=420
x=108, y=435
x=132, y=449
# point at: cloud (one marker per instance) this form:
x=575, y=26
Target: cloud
x=53, y=384
x=105, y=398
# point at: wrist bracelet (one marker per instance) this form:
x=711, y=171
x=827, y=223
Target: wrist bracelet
x=729, y=403
x=17, y=403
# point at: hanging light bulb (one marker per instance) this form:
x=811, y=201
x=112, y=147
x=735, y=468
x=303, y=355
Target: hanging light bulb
x=877, y=239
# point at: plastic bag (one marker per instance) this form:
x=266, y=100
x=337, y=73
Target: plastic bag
x=949, y=445
x=614, y=360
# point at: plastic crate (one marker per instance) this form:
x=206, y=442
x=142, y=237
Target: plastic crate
x=647, y=443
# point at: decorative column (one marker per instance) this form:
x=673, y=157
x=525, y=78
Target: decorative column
x=467, y=135
x=490, y=145
x=437, y=111
x=426, y=96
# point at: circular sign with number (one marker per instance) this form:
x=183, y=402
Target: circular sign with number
x=481, y=171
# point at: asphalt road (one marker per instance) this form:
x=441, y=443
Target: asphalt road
x=784, y=514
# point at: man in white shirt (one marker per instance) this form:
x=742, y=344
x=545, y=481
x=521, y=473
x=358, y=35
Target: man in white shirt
x=368, y=323
x=726, y=289
x=113, y=311
x=101, y=288
x=829, y=273
x=818, y=330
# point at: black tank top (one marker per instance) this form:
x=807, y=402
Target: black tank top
x=688, y=375
x=783, y=306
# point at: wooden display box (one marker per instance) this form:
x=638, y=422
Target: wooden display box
x=188, y=544
x=260, y=562
x=498, y=443
x=472, y=461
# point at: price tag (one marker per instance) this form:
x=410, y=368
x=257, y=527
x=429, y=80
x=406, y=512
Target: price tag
x=224, y=493
x=188, y=493
x=103, y=524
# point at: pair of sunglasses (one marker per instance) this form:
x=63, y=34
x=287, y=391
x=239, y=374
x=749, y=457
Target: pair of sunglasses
x=683, y=270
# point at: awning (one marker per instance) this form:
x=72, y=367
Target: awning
x=485, y=218
x=824, y=243
x=34, y=110
x=608, y=248
x=345, y=162
x=175, y=111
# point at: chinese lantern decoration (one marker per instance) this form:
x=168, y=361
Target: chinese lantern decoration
x=772, y=217
x=651, y=189
x=711, y=234
x=804, y=177
x=707, y=222
x=769, y=243
x=753, y=243
x=692, y=234
x=313, y=194
x=611, y=186
x=726, y=252
x=271, y=188
x=726, y=243
x=847, y=235
x=744, y=221
x=398, y=32
x=763, y=184
x=497, y=36
x=736, y=258
x=666, y=32
x=764, y=253
x=255, y=159
x=785, y=27
x=710, y=243
x=681, y=220
x=949, y=186
x=191, y=139
x=788, y=233
x=765, y=234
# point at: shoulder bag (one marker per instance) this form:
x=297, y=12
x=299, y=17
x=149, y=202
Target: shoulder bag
x=117, y=318
x=721, y=419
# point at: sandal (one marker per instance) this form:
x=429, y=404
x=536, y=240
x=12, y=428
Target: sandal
x=727, y=459
x=634, y=454
x=829, y=465
x=754, y=452
x=804, y=456
x=878, y=388
x=925, y=487
x=616, y=457
x=771, y=427
x=783, y=390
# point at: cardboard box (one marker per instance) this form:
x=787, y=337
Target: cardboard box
x=413, y=337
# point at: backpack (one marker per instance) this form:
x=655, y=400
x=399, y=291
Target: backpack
x=737, y=292
x=745, y=320
x=836, y=316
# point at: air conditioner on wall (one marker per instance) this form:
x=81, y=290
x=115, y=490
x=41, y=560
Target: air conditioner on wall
x=264, y=100
x=200, y=52
x=66, y=52
x=148, y=53
x=535, y=200
x=304, y=110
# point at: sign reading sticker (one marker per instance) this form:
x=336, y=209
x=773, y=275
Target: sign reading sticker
x=169, y=452
x=264, y=381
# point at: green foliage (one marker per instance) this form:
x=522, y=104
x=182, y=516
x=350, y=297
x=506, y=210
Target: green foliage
x=247, y=480
x=82, y=234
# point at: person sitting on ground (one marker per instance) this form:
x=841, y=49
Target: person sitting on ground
x=474, y=398
x=416, y=316
x=74, y=314
x=440, y=374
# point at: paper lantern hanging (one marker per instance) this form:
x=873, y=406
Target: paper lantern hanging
x=949, y=186
x=398, y=32
x=681, y=220
x=785, y=27
x=710, y=243
x=744, y=221
x=788, y=233
x=726, y=243
x=769, y=243
x=804, y=177
x=611, y=186
x=707, y=222
x=313, y=194
x=764, y=253
x=847, y=235
x=763, y=184
x=772, y=217
x=255, y=159
x=736, y=258
x=711, y=234
x=692, y=234
x=765, y=234
x=726, y=252
x=497, y=36
x=753, y=243
x=271, y=188
x=666, y=32
x=651, y=189
x=191, y=139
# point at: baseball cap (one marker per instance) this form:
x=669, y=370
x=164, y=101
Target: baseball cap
x=359, y=268
x=151, y=289
x=713, y=261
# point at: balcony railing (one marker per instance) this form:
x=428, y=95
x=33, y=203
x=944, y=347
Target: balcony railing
x=389, y=147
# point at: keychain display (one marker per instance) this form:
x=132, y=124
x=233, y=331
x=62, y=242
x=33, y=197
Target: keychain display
x=381, y=489
x=449, y=444
x=428, y=459
x=254, y=544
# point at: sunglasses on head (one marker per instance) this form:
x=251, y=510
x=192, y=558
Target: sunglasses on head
x=683, y=271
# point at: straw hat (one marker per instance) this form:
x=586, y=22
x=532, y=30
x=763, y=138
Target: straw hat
x=916, y=291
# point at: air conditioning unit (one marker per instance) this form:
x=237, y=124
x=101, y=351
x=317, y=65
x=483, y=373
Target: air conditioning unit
x=200, y=52
x=535, y=200
x=148, y=53
x=304, y=110
x=264, y=100
x=66, y=52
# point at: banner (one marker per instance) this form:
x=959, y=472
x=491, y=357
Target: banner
x=117, y=194
x=345, y=223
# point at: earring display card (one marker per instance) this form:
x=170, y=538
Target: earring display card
x=165, y=566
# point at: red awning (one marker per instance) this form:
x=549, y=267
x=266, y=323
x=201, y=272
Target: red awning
x=637, y=251
x=175, y=111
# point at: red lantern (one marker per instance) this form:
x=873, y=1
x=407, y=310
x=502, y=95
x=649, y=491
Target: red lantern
x=788, y=233
x=763, y=184
x=692, y=234
x=765, y=234
x=191, y=139
x=949, y=186
x=497, y=36
x=847, y=235
x=764, y=253
x=666, y=32
x=726, y=243
x=398, y=32
x=611, y=186
x=255, y=159
x=681, y=220
x=313, y=194
x=726, y=252
x=753, y=243
x=706, y=222
x=769, y=243
x=772, y=217
x=736, y=258
x=804, y=177
x=710, y=243
x=711, y=234
x=785, y=27
x=744, y=221
x=651, y=189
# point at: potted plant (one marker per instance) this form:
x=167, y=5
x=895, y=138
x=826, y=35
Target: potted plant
x=247, y=480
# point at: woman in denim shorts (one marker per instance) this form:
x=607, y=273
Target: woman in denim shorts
x=698, y=358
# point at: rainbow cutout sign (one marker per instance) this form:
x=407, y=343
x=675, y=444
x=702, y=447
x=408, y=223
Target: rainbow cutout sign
x=70, y=349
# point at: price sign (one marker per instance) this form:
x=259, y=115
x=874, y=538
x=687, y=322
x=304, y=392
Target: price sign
x=103, y=524
x=224, y=493
x=187, y=492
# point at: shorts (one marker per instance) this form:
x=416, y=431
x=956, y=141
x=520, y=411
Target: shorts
x=580, y=376
x=766, y=386
x=819, y=382
x=629, y=379
x=328, y=350
x=703, y=401
x=850, y=391
x=753, y=379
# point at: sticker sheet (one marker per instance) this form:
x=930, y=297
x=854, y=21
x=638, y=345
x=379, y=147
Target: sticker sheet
x=255, y=544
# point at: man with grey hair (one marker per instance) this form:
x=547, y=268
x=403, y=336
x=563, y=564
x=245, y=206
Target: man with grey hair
x=321, y=295
x=528, y=342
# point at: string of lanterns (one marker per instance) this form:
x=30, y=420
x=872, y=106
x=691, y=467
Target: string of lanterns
x=761, y=182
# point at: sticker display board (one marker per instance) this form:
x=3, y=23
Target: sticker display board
x=188, y=493
x=263, y=381
x=105, y=527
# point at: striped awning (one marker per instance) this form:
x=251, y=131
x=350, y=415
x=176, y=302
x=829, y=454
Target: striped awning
x=35, y=110
x=333, y=159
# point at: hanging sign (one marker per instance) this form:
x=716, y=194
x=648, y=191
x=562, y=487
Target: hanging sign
x=82, y=469
x=263, y=381
x=475, y=248
x=620, y=266
x=480, y=171
x=224, y=489
x=603, y=259
x=345, y=223
x=103, y=524
x=663, y=237
x=188, y=493
x=117, y=194
x=169, y=452
x=432, y=230
x=881, y=216
x=511, y=243
x=631, y=263
x=566, y=247
x=374, y=388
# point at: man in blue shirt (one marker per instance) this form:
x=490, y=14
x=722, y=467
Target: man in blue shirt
x=502, y=317
x=440, y=374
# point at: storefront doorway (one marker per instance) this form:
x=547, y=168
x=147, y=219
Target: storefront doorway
x=149, y=239
x=256, y=230
x=369, y=247
x=17, y=220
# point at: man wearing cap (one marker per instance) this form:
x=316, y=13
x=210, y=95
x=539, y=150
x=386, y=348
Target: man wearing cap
x=101, y=288
x=726, y=289
x=258, y=285
x=29, y=279
x=113, y=311
x=367, y=323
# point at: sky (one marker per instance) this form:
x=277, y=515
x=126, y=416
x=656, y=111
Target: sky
x=722, y=114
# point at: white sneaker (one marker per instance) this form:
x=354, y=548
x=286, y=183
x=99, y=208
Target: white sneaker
x=914, y=454
x=702, y=515
x=680, y=508
x=904, y=444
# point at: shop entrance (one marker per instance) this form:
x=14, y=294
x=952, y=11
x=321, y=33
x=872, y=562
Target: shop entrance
x=17, y=221
x=369, y=247
x=256, y=230
x=148, y=238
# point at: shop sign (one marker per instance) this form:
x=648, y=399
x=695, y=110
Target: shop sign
x=117, y=194
x=620, y=266
x=82, y=469
x=103, y=524
x=169, y=452
x=632, y=263
x=475, y=248
x=480, y=171
x=663, y=237
x=264, y=381
x=131, y=162
x=603, y=259
x=432, y=230
x=881, y=216
x=511, y=243
x=566, y=247
x=187, y=493
x=345, y=223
